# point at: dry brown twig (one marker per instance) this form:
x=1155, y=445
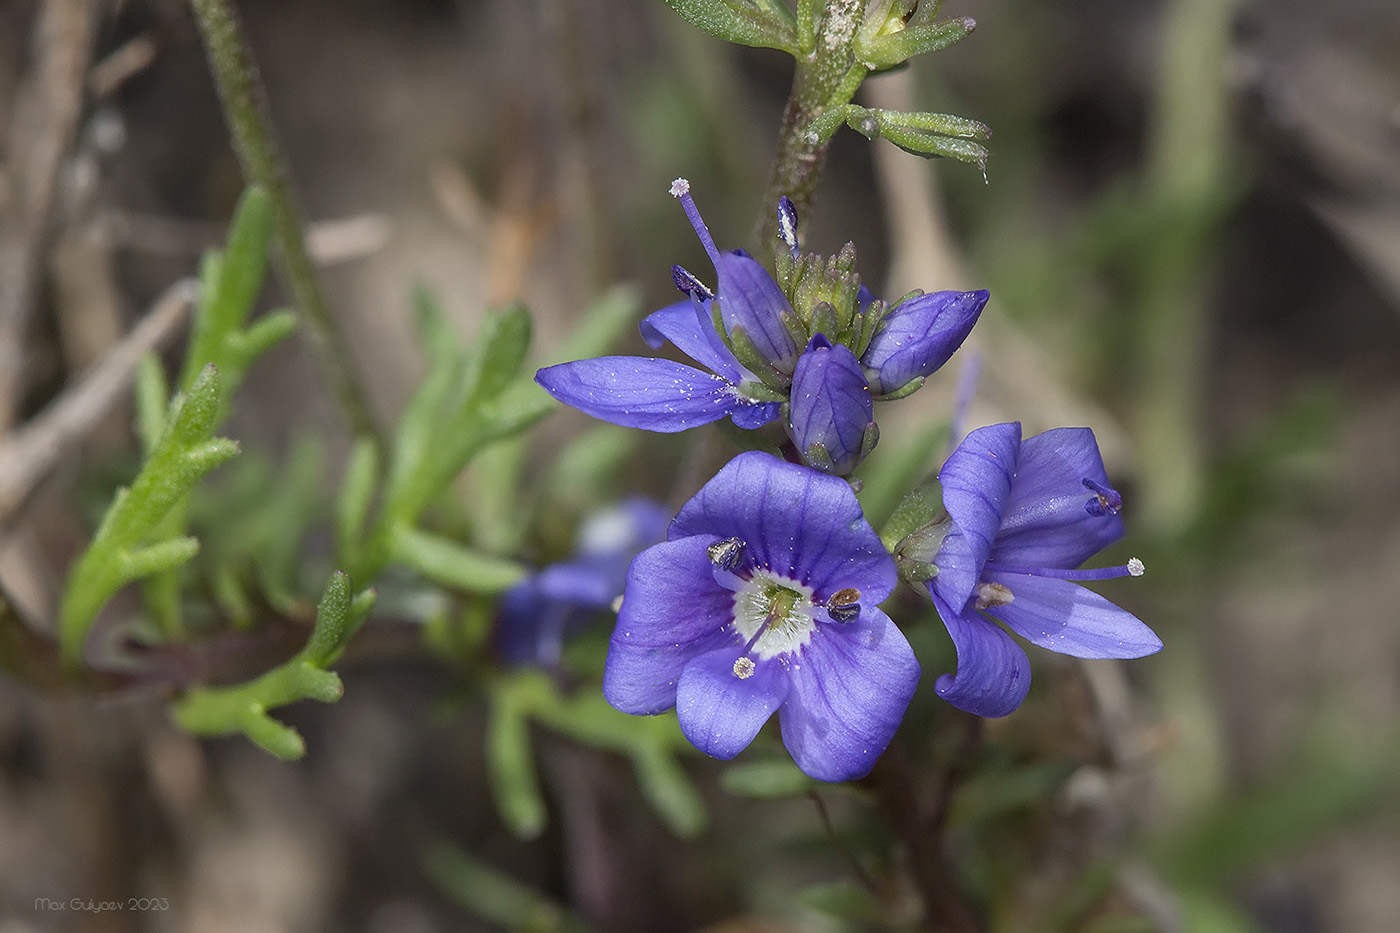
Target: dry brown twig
x=30, y=453
x=47, y=109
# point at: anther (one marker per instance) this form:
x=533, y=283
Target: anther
x=1136, y=568
x=844, y=605
x=689, y=284
x=1106, y=501
x=991, y=595
x=726, y=554
x=787, y=223
x=744, y=667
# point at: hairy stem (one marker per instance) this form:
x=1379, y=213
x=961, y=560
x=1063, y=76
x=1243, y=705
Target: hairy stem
x=245, y=110
x=826, y=77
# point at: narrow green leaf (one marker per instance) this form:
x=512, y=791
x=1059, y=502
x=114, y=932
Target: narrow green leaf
x=337, y=620
x=503, y=342
x=494, y=896
x=152, y=397
x=155, y=558
x=451, y=564
x=897, y=47
x=355, y=499
x=740, y=23
x=265, y=333
x=511, y=771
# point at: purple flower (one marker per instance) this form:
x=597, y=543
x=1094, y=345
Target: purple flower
x=764, y=598
x=918, y=336
x=662, y=395
x=536, y=614
x=1024, y=515
x=831, y=416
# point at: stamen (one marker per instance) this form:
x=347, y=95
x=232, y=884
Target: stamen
x=1133, y=568
x=991, y=595
x=727, y=553
x=787, y=223
x=744, y=667
x=1106, y=501
x=844, y=605
x=680, y=189
x=689, y=284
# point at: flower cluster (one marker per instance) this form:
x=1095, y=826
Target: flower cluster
x=765, y=595
x=812, y=347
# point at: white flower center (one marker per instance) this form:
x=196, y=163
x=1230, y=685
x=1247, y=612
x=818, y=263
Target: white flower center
x=779, y=608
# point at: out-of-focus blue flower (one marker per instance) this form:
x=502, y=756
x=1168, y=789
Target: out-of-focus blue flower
x=764, y=598
x=535, y=615
x=831, y=416
x=918, y=336
x=1024, y=515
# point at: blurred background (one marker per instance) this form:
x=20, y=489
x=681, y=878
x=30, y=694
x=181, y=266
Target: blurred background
x=1190, y=227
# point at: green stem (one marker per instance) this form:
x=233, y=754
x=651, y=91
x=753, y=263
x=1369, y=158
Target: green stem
x=245, y=110
x=827, y=77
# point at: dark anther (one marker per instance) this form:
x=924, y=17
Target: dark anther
x=689, y=284
x=726, y=554
x=1106, y=501
x=844, y=605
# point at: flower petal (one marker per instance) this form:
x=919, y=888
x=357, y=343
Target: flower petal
x=850, y=687
x=1045, y=522
x=639, y=392
x=671, y=611
x=720, y=712
x=976, y=481
x=994, y=674
x=749, y=298
x=830, y=403
x=918, y=336
x=1069, y=618
x=687, y=324
x=795, y=521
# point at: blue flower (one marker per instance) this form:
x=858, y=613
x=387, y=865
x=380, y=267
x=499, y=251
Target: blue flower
x=666, y=396
x=1024, y=515
x=918, y=336
x=535, y=615
x=831, y=417
x=764, y=598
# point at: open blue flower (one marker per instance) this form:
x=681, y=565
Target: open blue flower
x=764, y=598
x=666, y=396
x=538, y=613
x=1024, y=515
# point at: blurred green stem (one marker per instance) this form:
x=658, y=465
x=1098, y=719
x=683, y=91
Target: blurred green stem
x=245, y=110
x=1187, y=179
x=827, y=76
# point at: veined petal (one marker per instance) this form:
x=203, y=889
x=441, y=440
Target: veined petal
x=994, y=674
x=1045, y=522
x=720, y=712
x=639, y=392
x=687, y=324
x=754, y=414
x=976, y=481
x=1072, y=619
x=830, y=403
x=850, y=687
x=672, y=611
x=749, y=298
x=918, y=336
x=797, y=522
